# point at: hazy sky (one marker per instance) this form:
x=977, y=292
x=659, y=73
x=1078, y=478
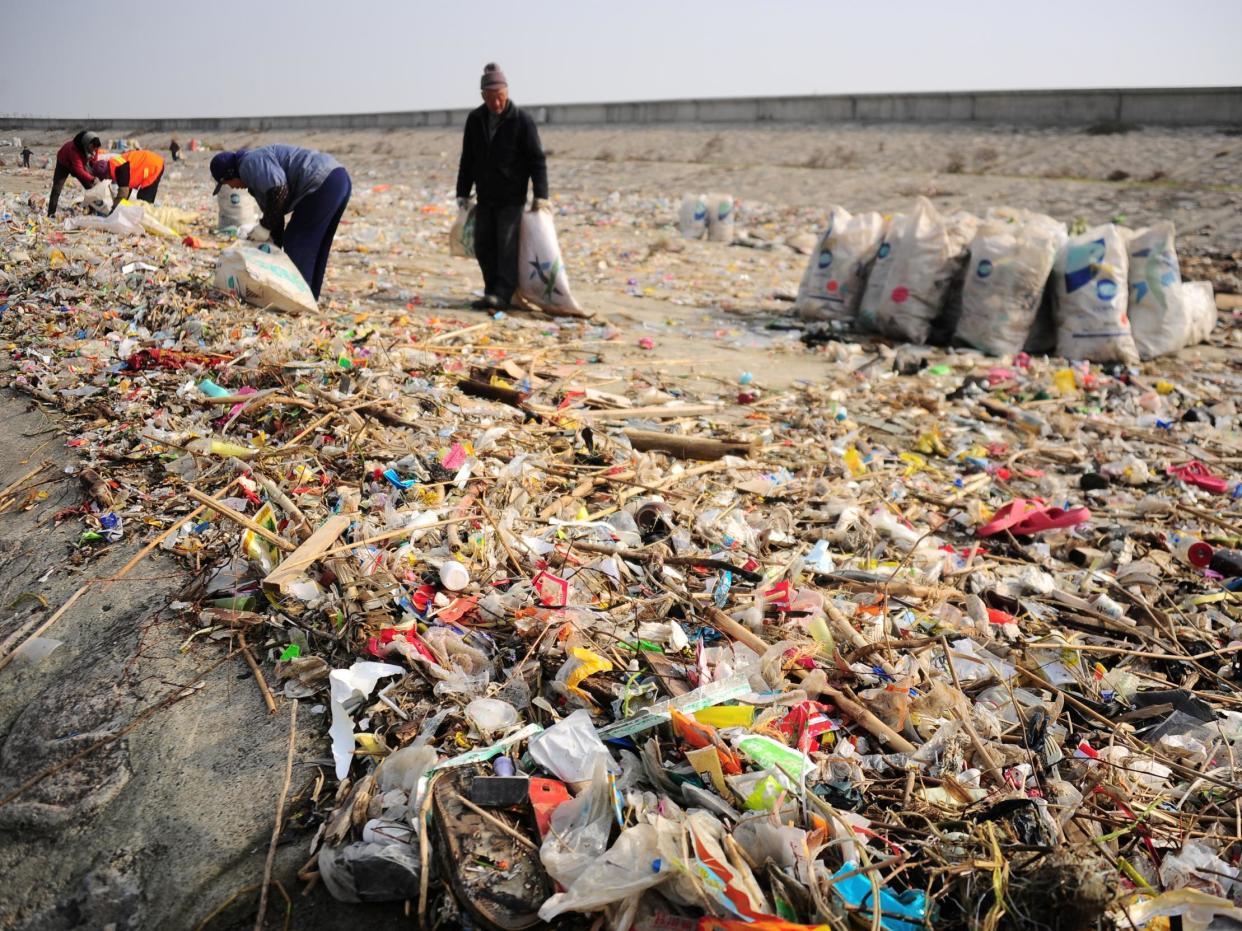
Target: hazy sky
x=83, y=58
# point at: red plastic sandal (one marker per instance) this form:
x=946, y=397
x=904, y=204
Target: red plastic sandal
x=1051, y=519
x=1196, y=473
x=1009, y=516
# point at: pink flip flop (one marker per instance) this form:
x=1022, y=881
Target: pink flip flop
x=1008, y=516
x=1051, y=519
x=1024, y=518
x=1196, y=473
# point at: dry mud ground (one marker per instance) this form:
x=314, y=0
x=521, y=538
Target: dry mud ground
x=165, y=825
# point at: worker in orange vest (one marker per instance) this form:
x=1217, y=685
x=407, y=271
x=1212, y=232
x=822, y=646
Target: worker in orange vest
x=138, y=170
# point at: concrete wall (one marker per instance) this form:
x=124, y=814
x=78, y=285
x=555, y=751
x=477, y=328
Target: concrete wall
x=1192, y=106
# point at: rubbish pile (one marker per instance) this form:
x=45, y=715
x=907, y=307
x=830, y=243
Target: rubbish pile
x=930, y=642
x=1014, y=280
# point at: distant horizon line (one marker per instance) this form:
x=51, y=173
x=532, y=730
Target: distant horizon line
x=112, y=120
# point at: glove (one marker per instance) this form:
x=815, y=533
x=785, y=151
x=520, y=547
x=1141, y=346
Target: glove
x=244, y=231
x=260, y=233
x=463, y=203
x=540, y=203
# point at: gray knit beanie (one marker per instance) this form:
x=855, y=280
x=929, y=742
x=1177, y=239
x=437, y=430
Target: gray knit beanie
x=492, y=77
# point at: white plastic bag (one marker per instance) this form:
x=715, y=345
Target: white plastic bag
x=461, y=236
x=264, y=276
x=579, y=831
x=1159, y=316
x=720, y=217
x=924, y=262
x=570, y=748
x=95, y=200
x=125, y=220
x=541, y=271
x=832, y=285
x=692, y=220
x=632, y=865
x=237, y=208
x=1201, y=308
x=1011, y=258
x=1092, y=287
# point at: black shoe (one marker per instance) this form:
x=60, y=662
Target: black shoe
x=486, y=302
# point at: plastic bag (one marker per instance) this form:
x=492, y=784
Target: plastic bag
x=1011, y=258
x=151, y=223
x=1199, y=866
x=95, y=200
x=1200, y=304
x=692, y=219
x=491, y=715
x=924, y=261
x=364, y=872
x=1159, y=318
x=720, y=217
x=832, y=285
x=264, y=276
x=461, y=236
x=237, y=208
x=541, y=272
x=1091, y=277
x=571, y=748
x=877, y=278
x=579, y=830
x=125, y=220
x=632, y=865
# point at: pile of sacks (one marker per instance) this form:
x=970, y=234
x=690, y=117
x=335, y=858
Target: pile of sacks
x=1014, y=280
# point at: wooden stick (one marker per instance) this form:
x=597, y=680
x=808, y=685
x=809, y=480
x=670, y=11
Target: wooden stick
x=688, y=447
x=395, y=535
x=301, y=526
x=237, y=517
x=445, y=337
x=496, y=822
x=646, y=556
x=654, y=412
x=258, y=673
x=38, y=631
x=984, y=754
x=12, y=486
x=874, y=725
x=424, y=850
x=296, y=562
x=280, y=814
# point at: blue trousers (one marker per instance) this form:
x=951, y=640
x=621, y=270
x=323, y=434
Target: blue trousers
x=311, y=229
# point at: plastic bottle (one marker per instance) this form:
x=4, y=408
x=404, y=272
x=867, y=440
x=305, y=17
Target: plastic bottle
x=1190, y=551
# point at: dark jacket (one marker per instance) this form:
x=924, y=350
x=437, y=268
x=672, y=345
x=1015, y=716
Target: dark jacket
x=500, y=169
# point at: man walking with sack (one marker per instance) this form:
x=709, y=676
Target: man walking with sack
x=501, y=156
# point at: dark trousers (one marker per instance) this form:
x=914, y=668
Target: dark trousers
x=496, y=229
x=148, y=193
x=311, y=229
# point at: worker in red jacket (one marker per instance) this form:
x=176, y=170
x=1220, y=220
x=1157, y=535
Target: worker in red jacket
x=137, y=170
x=74, y=158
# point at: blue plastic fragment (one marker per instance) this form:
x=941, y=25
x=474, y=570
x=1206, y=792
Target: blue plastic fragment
x=856, y=890
x=397, y=481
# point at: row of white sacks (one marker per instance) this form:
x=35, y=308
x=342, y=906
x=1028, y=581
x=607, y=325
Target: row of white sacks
x=1014, y=280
